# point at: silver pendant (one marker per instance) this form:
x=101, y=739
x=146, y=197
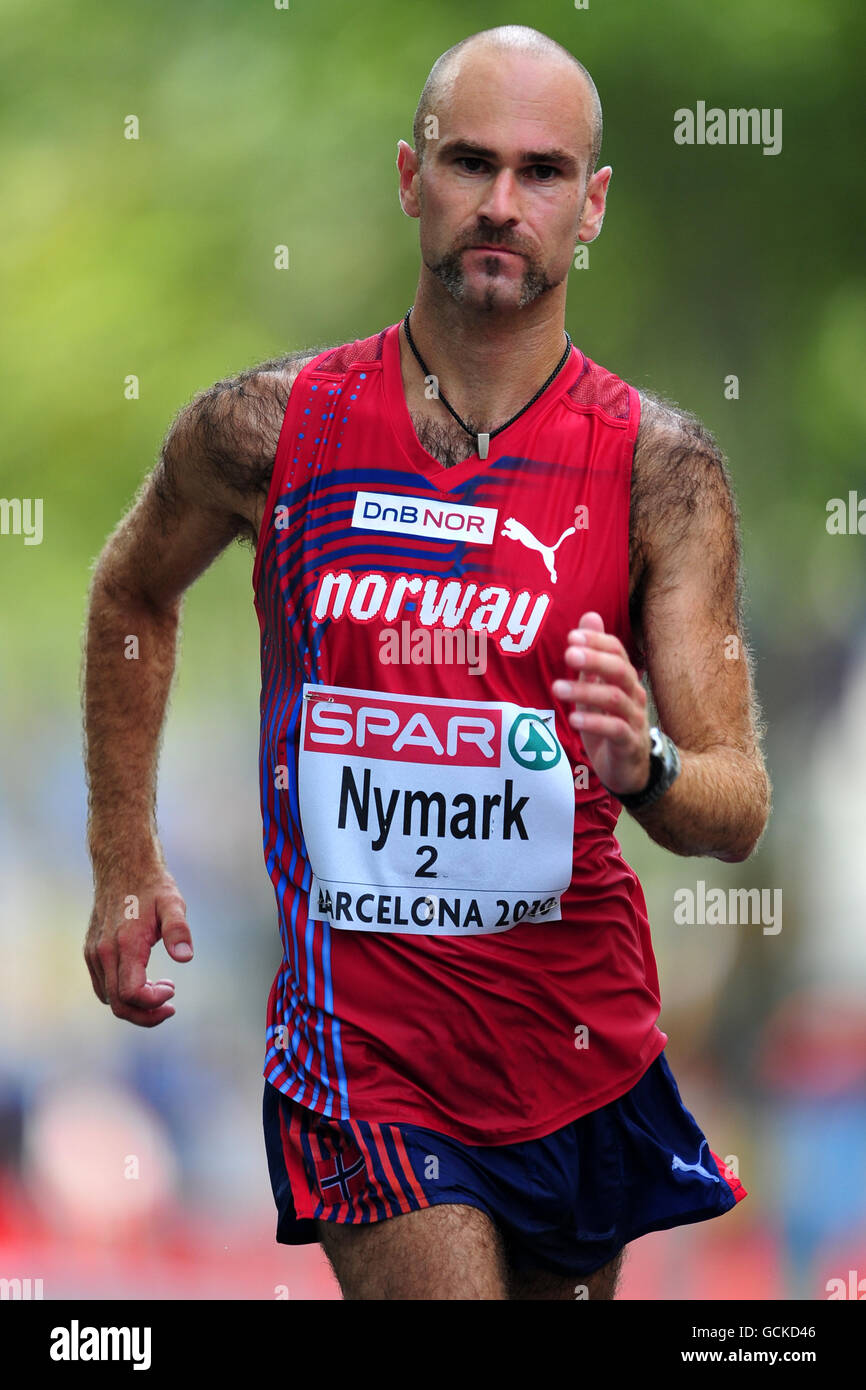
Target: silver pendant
x=483, y=445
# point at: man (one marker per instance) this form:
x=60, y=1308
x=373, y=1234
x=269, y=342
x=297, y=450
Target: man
x=466, y=1094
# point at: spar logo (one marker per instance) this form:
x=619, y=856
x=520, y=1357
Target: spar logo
x=532, y=743
x=416, y=516
x=446, y=734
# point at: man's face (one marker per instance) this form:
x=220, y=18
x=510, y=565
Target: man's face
x=499, y=220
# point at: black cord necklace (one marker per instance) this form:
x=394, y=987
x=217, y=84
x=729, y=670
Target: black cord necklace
x=483, y=440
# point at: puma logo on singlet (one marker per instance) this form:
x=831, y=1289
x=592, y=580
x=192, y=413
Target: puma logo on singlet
x=694, y=1167
x=516, y=531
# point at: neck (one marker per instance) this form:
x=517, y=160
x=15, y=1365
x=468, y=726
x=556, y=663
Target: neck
x=488, y=364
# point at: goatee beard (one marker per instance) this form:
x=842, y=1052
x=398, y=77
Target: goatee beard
x=450, y=271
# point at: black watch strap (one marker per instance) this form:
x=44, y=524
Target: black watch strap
x=665, y=768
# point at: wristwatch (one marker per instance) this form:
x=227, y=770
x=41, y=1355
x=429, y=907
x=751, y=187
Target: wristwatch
x=665, y=768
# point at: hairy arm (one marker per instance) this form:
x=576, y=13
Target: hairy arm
x=687, y=615
x=208, y=488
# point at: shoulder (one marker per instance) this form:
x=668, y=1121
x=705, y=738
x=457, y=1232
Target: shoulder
x=684, y=525
x=597, y=388
x=680, y=469
x=672, y=439
x=233, y=427
x=219, y=451
x=237, y=420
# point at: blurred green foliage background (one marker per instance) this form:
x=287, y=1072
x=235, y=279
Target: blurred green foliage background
x=155, y=257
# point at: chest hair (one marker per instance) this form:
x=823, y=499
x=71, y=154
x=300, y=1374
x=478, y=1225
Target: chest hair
x=448, y=443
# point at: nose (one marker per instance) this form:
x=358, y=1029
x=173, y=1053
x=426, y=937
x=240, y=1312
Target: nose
x=500, y=203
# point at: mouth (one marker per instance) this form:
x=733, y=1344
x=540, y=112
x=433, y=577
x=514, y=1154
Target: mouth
x=494, y=250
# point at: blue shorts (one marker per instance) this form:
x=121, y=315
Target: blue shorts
x=567, y=1203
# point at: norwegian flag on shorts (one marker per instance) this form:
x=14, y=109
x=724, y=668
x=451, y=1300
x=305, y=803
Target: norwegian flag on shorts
x=342, y=1175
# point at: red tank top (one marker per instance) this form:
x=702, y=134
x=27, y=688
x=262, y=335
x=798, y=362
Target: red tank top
x=464, y=946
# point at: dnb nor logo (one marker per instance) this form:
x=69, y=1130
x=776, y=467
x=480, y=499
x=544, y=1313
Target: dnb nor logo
x=415, y=516
x=532, y=742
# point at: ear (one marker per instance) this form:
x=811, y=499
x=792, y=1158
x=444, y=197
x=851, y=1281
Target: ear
x=594, y=204
x=407, y=163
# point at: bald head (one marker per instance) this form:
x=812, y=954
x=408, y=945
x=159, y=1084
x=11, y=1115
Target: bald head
x=518, y=39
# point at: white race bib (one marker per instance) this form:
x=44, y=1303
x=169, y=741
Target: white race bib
x=431, y=816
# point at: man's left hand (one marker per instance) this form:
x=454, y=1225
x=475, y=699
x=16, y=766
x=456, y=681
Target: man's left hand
x=609, y=706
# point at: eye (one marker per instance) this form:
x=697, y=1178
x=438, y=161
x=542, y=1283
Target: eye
x=470, y=159
x=551, y=167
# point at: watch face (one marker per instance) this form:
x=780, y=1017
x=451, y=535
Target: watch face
x=664, y=769
x=670, y=762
